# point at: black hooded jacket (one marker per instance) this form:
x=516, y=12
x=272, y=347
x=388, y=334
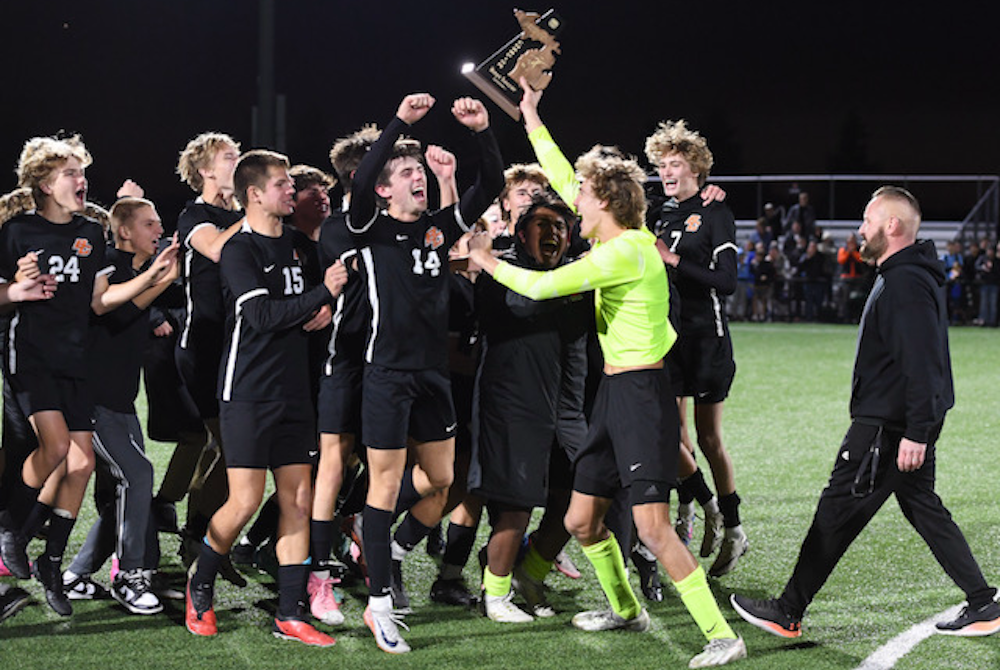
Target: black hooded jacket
x=902, y=373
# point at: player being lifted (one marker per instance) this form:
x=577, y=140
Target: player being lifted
x=406, y=392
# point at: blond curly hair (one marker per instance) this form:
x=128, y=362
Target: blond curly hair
x=618, y=179
x=42, y=156
x=198, y=154
x=675, y=137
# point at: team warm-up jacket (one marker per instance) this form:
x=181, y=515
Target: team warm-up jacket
x=266, y=351
x=407, y=263
x=51, y=336
x=902, y=374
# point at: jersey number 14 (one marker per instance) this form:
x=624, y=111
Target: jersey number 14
x=430, y=265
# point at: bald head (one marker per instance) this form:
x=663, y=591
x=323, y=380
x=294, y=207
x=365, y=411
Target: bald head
x=899, y=203
x=891, y=222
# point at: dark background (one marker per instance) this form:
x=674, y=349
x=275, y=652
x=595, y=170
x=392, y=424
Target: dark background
x=777, y=87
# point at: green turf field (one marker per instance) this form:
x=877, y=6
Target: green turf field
x=784, y=421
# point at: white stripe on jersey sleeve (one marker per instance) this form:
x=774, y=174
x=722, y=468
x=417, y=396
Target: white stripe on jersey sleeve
x=227, y=387
x=369, y=263
x=459, y=219
x=188, y=259
x=247, y=296
x=187, y=240
x=11, y=348
x=104, y=272
x=722, y=247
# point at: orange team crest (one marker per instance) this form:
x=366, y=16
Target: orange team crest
x=433, y=238
x=693, y=223
x=82, y=247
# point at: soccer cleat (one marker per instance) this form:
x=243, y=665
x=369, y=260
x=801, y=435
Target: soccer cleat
x=296, y=629
x=14, y=552
x=720, y=651
x=564, y=564
x=733, y=547
x=649, y=575
x=385, y=627
x=161, y=587
x=242, y=554
x=768, y=615
x=82, y=587
x=503, y=610
x=4, y=572
x=12, y=600
x=436, y=543
x=199, y=616
x=597, y=620
x=451, y=592
x=50, y=576
x=684, y=523
x=400, y=599
x=132, y=589
x=973, y=623
x=714, y=532
x=322, y=603
x=533, y=593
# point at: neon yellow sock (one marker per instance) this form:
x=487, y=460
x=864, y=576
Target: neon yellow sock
x=495, y=586
x=700, y=602
x=606, y=557
x=534, y=565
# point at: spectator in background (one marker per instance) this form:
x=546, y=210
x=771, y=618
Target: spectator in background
x=779, y=296
x=763, y=283
x=851, y=275
x=804, y=213
x=738, y=307
x=812, y=272
x=969, y=280
x=761, y=235
x=988, y=276
x=773, y=220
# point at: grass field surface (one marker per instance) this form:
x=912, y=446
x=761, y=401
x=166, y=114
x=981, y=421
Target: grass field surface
x=784, y=421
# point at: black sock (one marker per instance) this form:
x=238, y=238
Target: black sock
x=197, y=526
x=459, y=547
x=698, y=488
x=378, y=557
x=685, y=496
x=408, y=496
x=291, y=590
x=37, y=517
x=266, y=525
x=729, y=505
x=59, y=531
x=320, y=540
x=410, y=532
x=208, y=567
x=22, y=500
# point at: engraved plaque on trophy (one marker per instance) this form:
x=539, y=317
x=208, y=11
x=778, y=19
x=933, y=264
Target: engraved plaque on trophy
x=531, y=55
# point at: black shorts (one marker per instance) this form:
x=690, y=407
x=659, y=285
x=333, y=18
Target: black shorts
x=198, y=367
x=269, y=434
x=400, y=403
x=40, y=392
x=633, y=440
x=339, y=403
x=702, y=367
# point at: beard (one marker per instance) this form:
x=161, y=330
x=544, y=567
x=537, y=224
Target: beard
x=871, y=250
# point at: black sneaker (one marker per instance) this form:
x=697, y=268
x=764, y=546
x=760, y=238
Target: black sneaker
x=14, y=551
x=50, y=576
x=649, y=577
x=12, y=600
x=134, y=591
x=435, y=542
x=768, y=615
x=973, y=622
x=451, y=592
x=400, y=600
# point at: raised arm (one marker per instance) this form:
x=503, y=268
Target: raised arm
x=442, y=163
x=557, y=168
x=472, y=114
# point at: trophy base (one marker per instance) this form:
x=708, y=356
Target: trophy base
x=491, y=91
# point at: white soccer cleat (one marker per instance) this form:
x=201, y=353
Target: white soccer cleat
x=597, y=620
x=503, y=610
x=720, y=651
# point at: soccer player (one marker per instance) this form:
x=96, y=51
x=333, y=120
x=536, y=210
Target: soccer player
x=697, y=241
x=634, y=434
x=516, y=417
x=266, y=412
x=405, y=388
x=207, y=165
x=47, y=347
x=901, y=390
x=117, y=346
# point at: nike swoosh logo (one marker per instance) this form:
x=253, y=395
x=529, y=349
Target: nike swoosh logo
x=450, y=428
x=709, y=631
x=313, y=453
x=634, y=467
x=391, y=643
x=846, y=456
x=703, y=394
x=402, y=238
x=268, y=268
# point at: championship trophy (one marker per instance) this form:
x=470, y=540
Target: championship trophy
x=531, y=55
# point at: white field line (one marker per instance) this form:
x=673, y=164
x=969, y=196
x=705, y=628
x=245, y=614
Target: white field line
x=885, y=657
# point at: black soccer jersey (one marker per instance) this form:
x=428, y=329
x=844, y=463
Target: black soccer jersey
x=705, y=239
x=51, y=335
x=202, y=286
x=267, y=352
x=351, y=314
x=407, y=263
x=118, y=344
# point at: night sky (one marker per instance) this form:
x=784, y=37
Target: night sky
x=776, y=87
